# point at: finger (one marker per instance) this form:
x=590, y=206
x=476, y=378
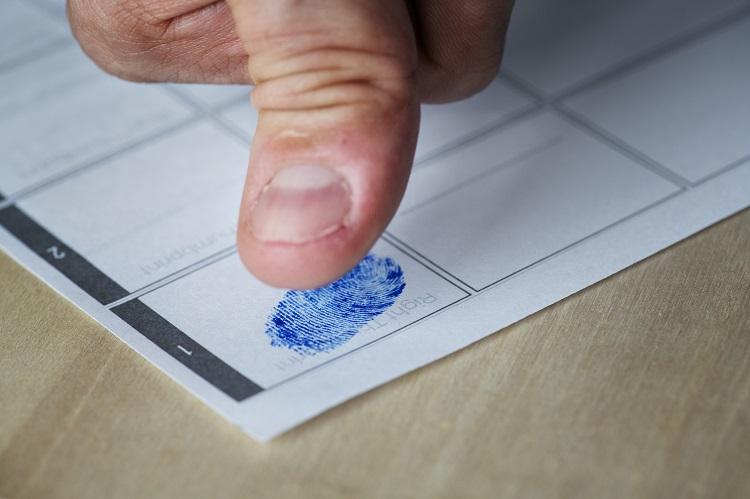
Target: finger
x=186, y=41
x=462, y=45
x=338, y=116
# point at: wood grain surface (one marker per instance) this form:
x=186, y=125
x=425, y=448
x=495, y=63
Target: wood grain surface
x=636, y=387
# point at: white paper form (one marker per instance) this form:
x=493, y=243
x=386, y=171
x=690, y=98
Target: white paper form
x=28, y=29
x=602, y=142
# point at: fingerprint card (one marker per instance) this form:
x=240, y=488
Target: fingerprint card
x=385, y=293
x=546, y=182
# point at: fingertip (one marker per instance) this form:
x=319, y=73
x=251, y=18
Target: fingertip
x=300, y=265
x=316, y=200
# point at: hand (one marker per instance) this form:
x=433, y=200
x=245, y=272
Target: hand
x=338, y=85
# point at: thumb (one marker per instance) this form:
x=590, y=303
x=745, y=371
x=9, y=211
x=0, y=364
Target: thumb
x=338, y=118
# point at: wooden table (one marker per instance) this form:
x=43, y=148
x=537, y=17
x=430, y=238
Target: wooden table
x=636, y=387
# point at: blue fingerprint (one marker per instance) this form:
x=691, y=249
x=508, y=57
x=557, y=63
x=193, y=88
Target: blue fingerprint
x=319, y=320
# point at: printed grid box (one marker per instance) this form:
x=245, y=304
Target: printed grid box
x=496, y=206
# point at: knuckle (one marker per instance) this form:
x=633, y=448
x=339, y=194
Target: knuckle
x=475, y=78
x=119, y=35
x=327, y=72
x=461, y=80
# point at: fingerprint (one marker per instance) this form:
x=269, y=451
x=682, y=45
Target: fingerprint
x=319, y=320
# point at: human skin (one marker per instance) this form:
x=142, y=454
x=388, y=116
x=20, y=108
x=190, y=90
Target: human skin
x=337, y=87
